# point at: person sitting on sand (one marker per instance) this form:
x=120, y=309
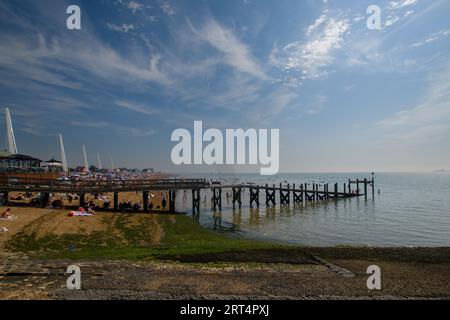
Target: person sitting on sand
x=6, y=214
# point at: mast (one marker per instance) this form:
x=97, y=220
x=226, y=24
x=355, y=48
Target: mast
x=12, y=147
x=86, y=165
x=63, y=154
x=99, y=161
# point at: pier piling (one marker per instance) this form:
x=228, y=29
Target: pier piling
x=172, y=198
x=116, y=201
x=254, y=196
x=217, y=198
x=237, y=197
x=195, y=203
x=145, y=201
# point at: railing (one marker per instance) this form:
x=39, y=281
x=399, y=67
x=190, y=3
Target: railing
x=98, y=185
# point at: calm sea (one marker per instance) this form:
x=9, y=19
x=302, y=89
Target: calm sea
x=411, y=209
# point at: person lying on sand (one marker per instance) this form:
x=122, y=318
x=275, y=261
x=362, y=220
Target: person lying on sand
x=6, y=214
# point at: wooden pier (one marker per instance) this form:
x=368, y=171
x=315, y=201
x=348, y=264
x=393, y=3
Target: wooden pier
x=287, y=194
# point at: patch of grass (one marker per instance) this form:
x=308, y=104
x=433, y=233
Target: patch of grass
x=126, y=238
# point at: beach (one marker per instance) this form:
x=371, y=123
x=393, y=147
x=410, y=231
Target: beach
x=164, y=256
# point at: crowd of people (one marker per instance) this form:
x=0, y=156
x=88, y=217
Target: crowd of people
x=108, y=176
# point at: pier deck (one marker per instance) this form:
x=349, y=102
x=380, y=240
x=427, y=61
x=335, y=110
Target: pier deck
x=301, y=193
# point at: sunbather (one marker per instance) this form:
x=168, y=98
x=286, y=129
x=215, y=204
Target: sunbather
x=6, y=214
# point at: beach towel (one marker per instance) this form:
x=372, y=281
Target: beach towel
x=79, y=214
x=10, y=218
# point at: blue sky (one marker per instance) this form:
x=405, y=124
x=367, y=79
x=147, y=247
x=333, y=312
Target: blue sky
x=344, y=97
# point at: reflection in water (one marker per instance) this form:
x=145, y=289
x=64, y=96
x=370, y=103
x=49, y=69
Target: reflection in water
x=237, y=216
x=254, y=217
x=217, y=215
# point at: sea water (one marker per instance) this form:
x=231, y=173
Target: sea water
x=411, y=209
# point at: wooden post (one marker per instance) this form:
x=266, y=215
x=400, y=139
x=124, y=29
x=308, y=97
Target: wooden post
x=281, y=194
x=172, y=198
x=365, y=187
x=373, y=184
x=273, y=194
x=237, y=197
x=45, y=199
x=5, y=198
x=145, y=201
x=195, y=203
x=316, y=193
x=254, y=196
x=289, y=193
x=116, y=201
x=270, y=195
x=82, y=200
x=335, y=190
x=357, y=186
x=349, y=186
x=217, y=198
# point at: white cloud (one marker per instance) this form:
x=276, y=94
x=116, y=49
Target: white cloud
x=236, y=53
x=433, y=37
x=123, y=28
x=133, y=5
x=166, y=7
x=312, y=56
x=114, y=127
x=401, y=4
x=137, y=107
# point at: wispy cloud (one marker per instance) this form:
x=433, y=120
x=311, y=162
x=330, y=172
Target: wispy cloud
x=114, y=127
x=401, y=4
x=235, y=52
x=120, y=28
x=137, y=107
x=397, y=11
x=432, y=38
x=312, y=56
x=132, y=5
x=166, y=7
